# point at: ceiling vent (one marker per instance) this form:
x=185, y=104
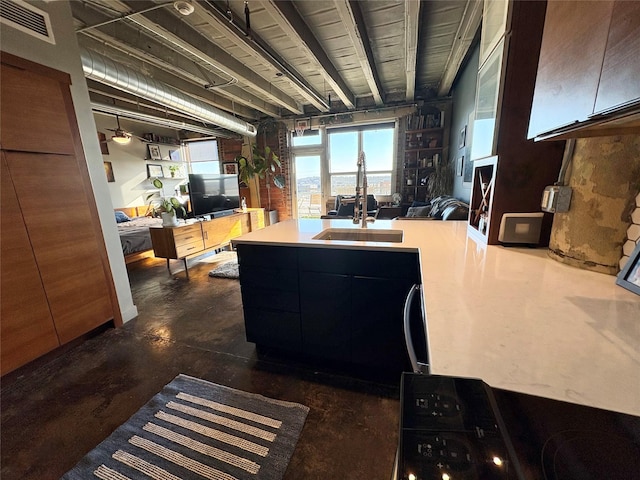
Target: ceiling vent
x=26, y=18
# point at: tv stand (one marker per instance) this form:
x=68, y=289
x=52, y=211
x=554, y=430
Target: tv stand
x=222, y=213
x=187, y=241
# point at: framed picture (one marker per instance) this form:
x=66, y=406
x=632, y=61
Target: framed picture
x=459, y=164
x=462, y=138
x=108, y=169
x=230, y=168
x=154, y=171
x=154, y=152
x=629, y=276
x=104, y=148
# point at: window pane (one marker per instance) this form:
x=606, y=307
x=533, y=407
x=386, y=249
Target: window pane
x=205, y=167
x=343, y=152
x=203, y=151
x=308, y=187
x=310, y=137
x=379, y=184
x=378, y=149
x=343, y=184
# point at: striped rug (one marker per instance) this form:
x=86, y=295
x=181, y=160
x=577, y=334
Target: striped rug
x=194, y=429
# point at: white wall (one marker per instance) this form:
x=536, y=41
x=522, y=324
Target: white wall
x=65, y=56
x=129, y=162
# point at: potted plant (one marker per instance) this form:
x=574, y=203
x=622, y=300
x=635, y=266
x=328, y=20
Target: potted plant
x=264, y=165
x=167, y=207
x=174, y=169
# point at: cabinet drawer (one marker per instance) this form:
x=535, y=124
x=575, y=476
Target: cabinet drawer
x=189, y=248
x=187, y=235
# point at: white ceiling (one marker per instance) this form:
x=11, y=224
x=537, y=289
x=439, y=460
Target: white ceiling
x=298, y=58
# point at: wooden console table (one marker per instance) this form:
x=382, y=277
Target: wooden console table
x=187, y=241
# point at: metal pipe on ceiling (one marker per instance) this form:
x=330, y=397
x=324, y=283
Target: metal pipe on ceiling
x=104, y=70
x=104, y=108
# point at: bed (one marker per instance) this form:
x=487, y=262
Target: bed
x=133, y=228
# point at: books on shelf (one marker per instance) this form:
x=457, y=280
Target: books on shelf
x=420, y=122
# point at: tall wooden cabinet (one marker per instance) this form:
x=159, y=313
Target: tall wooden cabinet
x=55, y=277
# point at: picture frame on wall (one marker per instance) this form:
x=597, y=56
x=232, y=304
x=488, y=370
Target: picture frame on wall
x=462, y=138
x=108, y=170
x=230, y=168
x=154, y=152
x=459, y=164
x=154, y=171
x=629, y=276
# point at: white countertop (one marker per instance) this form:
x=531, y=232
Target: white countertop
x=511, y=316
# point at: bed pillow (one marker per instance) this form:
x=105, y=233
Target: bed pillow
x=122, y=217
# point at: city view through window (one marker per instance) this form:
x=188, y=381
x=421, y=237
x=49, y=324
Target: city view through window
x=342, y=153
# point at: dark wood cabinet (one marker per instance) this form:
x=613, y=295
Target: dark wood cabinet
x=376, y=321
x=341, y=305
x=270, y=296
x=325, y=313
x=588, y=66
x=620, y=78
x=513, y=177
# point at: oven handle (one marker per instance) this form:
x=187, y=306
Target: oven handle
x=416, y=366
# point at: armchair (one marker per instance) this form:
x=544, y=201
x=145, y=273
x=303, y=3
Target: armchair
x=344, y=206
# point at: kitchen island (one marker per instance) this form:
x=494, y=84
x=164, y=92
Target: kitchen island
x=510, y=316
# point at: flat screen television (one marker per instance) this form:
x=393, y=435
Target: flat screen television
x=213, y=194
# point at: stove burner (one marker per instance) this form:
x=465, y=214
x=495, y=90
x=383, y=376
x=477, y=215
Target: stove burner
x=589, y=455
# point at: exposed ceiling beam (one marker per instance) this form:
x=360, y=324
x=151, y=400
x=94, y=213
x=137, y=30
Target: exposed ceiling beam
x=351, y=16
x=255, y=46
x=288, y=18
x=163, y=24
x=411, y=30
x=469, y=24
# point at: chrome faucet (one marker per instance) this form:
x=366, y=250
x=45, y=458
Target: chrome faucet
x=361, y=194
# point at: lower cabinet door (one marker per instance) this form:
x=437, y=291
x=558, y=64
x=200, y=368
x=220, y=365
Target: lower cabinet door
x=273, y=328
x=377, y=319
x=325, y=313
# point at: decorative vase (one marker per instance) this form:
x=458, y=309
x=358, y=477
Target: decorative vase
x=169, y=219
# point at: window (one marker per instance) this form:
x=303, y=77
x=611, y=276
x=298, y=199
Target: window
x=325, y=164
x=202, y=156
x=377, y=143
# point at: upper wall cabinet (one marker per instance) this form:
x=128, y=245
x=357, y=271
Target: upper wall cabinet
x=620, y=77
x=588, y=66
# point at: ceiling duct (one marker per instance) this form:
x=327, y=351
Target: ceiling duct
x=106, y=71
x=103, y=108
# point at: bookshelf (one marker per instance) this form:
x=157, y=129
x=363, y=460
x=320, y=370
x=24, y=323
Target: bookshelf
x=425, y=138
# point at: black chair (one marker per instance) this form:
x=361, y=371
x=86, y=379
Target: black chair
x=345, y=203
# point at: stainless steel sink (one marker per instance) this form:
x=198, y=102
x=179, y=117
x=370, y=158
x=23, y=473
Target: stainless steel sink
x=360, y=235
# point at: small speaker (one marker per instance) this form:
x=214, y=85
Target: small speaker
x=520, y=228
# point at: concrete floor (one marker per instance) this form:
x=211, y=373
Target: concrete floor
x=58, y=408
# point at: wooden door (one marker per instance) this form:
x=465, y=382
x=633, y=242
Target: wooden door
x=26, y=326
x=45, y=162
x=61, y=232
